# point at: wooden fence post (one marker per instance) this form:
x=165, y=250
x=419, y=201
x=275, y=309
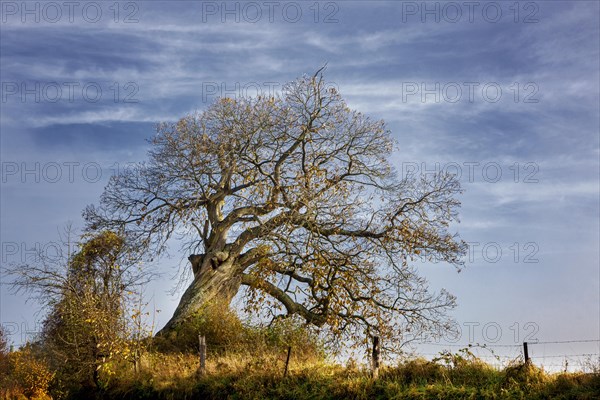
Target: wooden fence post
x=136, y=361
x=287, y=361
x=526, y=353
x=375, y=357
x=202, y=348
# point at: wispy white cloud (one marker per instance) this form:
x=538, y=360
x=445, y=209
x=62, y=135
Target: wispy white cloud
x=120, y=114
x=171, y=53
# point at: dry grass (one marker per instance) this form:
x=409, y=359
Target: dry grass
x=259, y=375
x=248, y=363
x=239, y=376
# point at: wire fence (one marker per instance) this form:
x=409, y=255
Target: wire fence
x=556, y=355
x=575, y=354
x=553, y=356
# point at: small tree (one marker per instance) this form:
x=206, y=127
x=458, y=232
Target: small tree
x=86, y=294
x=294, y=197
x=4, y=349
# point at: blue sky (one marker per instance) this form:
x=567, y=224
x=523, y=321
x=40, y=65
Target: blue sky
x=505, y=93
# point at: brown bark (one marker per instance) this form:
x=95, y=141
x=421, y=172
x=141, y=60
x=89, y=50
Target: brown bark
x=210, y=286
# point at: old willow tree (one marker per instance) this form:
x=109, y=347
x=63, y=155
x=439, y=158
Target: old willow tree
x=294, y=197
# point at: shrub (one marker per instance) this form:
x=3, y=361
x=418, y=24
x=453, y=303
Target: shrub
x=27, y=375
x=226, y=333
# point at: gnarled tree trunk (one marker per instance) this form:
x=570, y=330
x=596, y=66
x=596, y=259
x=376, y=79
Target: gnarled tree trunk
x=213, y=282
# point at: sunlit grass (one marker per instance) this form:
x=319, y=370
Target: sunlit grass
x=245, y=362
x=239, y=376
x=260, y=375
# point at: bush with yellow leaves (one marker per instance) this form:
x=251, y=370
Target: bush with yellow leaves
x=25, y=375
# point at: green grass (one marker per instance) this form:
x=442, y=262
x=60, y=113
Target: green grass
x=258, y=374
x=247, y=362
x=237, y=377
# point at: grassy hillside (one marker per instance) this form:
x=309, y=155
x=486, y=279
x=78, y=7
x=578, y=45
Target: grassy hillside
x=237, y=377
x=248, y=363
x=253, y=376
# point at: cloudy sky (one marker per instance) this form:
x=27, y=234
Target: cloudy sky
x=505, y=94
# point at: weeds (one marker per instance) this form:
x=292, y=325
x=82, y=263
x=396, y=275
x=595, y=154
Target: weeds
x=248, y=363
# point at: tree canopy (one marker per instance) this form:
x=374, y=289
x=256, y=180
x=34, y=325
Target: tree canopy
x=294, y=197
